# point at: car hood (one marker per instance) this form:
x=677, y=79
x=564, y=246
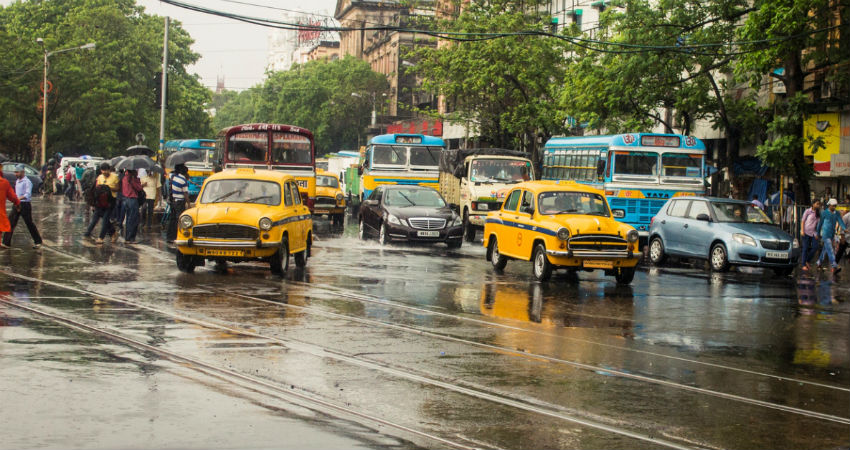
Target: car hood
x=758, y=230
x=583, y=224
x=235, y=213
x=420, y=211
x=326, y=191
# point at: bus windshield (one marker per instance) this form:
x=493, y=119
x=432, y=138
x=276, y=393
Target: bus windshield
x=425, y=156
x=563, y=202
x=499, y=171
x=248, y=147
x=681, y=165
x=291, y=148
x=635, y=163
x=389, y=155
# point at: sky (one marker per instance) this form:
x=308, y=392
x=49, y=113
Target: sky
x=234, y=50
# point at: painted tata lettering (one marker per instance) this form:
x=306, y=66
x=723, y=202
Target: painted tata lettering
x=638, y=172
x=561, y=224
x=246, y=215
x=198, y=170
x=285, y=148
x=406, y=159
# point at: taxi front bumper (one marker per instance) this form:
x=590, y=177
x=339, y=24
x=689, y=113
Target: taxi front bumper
x=594, y=259
x=227, y=249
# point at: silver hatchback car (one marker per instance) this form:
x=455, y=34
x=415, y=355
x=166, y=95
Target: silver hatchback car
x=725, y=232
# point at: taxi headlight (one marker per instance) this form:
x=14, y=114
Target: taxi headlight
x=744, y=239
x=632, y=236
x=265, y=224
x=186, y=221
x=339, y=197
x=393, y=219
x=563, y=234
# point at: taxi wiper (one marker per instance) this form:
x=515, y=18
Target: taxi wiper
x=252, y=200
x=222, y=197
x=564, y=211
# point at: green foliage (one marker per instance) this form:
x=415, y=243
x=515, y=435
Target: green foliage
x=782, y=151
x=316, y=96
x=101, y=98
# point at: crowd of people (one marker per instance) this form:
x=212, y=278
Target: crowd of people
x=819, y=233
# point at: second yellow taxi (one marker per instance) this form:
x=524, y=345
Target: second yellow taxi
x=329, y=198
x=245, y=215
x=560, y=224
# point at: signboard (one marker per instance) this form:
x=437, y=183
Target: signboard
x=840, y=165
x=430, y=128
x=659, y=141
x=825, y=126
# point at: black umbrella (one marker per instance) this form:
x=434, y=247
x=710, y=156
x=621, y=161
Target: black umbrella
x=181, y=157
x=114, y=161
x=138, y=162
x=139, y=150
x=3, y=158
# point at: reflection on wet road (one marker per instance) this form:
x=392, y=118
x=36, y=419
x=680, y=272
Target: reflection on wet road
x=379, y=347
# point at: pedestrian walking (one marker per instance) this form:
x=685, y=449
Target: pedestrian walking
x=177, y=199
x=6, y=193
x=23, y=190
x=809, y=223
x=757, y=203
x=829, y=219
x=106, y=186
x=151, y=182
x=70, y=182
x=843, y=238
x=131, y=188
x=79, y=170
x=48, y=185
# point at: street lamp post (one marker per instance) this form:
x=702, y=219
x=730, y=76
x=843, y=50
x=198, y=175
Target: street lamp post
x=44, y=90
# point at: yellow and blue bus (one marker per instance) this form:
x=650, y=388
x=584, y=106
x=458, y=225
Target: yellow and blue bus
x=198, y=170
x=637, y=171
x=412, y=159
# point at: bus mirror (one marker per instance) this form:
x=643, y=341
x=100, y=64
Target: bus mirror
x=618, y=213
x=600, y=167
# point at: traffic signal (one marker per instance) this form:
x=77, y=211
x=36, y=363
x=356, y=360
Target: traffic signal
x=157, y=89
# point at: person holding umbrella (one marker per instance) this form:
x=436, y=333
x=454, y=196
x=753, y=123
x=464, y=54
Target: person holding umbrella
x=131, y=188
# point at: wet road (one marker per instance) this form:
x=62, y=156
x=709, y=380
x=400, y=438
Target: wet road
x=370, y=347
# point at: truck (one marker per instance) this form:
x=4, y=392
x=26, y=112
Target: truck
x=474, y=181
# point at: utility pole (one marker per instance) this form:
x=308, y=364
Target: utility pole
x=164, y=93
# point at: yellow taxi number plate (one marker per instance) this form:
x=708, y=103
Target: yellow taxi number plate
x=216, y=252
x=592, y=264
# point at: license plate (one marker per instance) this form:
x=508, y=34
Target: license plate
x=778, y=255
x=321, y=211
x=599, y=264
x=428, y=233
x=216, y=252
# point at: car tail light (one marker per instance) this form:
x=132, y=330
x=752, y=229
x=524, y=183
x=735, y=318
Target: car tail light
x=651, y=220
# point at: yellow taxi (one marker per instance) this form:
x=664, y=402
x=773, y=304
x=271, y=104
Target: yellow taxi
x=246, y=215
x=330, y=200
x=560, y=224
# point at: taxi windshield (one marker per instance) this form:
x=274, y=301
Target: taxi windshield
x=241, y=191
x=739, y=213
x=565, y=202
x=413, y=197
x=326, y=181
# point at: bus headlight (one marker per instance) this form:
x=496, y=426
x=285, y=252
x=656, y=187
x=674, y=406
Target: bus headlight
x=186, y=221
x=265, y=224
x=563, y=234
x=632, y=236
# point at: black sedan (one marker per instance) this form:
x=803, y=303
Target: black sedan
x=409, y=213
x=31, y=172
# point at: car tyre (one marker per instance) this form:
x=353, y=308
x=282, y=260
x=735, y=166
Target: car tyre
x=280, y=260
x=301, y=257
x=625, y=275
x=185, y=263
x=361, y=231
x=468, y=228
x=656, y=251
x=498, y=260
x=541, y=267
x=455, y=243
x=718, y=258
x=383, y=236
x=783, y=271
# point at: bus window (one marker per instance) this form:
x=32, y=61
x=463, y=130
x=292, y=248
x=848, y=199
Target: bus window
x=635, y=163
x=681, y=165
x=389, y=155
x=291, y=148
x=424, y=156
x=248, y=147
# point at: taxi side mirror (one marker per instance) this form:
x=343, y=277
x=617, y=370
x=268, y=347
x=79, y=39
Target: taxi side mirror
x=618, y=213
x=528, y=210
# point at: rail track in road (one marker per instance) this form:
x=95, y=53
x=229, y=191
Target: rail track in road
x=524, y=403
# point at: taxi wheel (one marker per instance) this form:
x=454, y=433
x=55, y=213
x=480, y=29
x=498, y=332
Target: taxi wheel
x=468, y=228
x=625, y=275
x=718, y=259
x=185, y=263
x=361, y=231
x=656, y=251
x=541, y=267
x=280, y=260
x=499, y=262
x=383, y=237
x=301, y=258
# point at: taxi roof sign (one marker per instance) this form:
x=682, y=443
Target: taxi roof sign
x=246, y=170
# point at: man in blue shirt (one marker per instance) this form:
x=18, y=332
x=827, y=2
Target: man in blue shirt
x=829, y=219
x=23, y=189
x=178, y=188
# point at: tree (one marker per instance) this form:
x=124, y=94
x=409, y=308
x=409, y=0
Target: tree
x=507, y=85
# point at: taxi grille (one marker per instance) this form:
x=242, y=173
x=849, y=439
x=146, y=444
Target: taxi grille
x=325, y=202
x=598, y=242
x=775, y=245
x=427, y=223
x=225, y=231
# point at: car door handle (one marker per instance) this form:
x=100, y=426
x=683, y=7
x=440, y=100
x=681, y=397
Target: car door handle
x=686, y=225
x=663, y=222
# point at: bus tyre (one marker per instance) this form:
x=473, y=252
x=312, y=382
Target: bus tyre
x=541, y=267
x=717, y=259
x=383, y=236
x=280, y=260
x=497, y=259
x=656, y=251
x=361, y=230
x=625, y=275
x=185, y=263
x=468, y=228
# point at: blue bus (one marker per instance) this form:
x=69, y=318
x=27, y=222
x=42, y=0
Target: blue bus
x=637, y=171
x=401, y=159
x=198, y=170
